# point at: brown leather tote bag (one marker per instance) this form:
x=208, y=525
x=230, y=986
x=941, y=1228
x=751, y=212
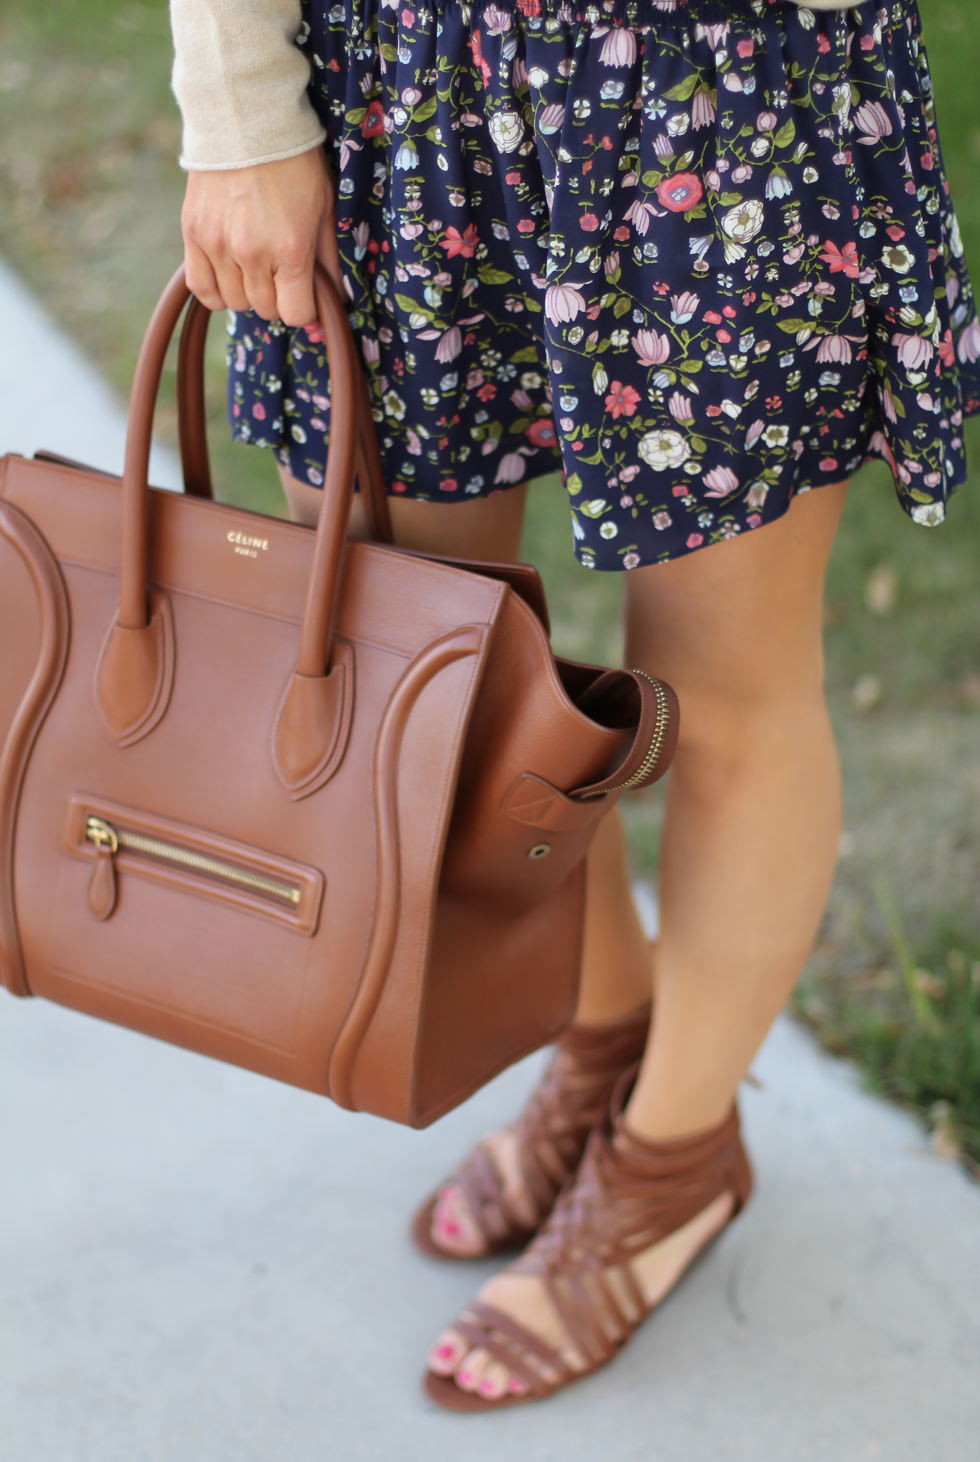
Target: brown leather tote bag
x=318, y=808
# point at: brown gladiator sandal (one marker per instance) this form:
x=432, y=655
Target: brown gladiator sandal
x=572, y=1096
x=628, y=1195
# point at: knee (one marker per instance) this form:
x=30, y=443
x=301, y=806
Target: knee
x=730, y=725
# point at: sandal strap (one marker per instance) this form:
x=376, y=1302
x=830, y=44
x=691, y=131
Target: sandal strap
x=628, y=1195
x=515, y=1347
x=571, y=1097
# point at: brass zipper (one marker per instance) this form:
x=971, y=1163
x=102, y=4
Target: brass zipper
x=111, y=839
x=653, y=750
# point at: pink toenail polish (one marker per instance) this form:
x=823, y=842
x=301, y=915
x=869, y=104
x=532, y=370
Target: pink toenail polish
x=450, y=1228
x=517, y=1386
x=445, y=1351
x=464, y=1378
x=486, y=1388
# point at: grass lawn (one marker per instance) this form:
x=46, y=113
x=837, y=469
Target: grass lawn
x=89, y=215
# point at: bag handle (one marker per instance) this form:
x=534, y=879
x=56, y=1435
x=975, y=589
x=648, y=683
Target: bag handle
x=191, y=422
x=133, y=676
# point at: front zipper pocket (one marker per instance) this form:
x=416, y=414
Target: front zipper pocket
x=120, y=841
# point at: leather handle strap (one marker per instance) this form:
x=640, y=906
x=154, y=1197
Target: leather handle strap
x=131, y=679
x=191, y=419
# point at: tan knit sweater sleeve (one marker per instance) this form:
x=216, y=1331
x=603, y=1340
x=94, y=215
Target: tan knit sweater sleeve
x=240, y=80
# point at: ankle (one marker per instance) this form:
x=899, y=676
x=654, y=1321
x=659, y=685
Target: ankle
x=675, y=1116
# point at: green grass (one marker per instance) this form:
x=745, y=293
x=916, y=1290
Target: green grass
x=89, y=215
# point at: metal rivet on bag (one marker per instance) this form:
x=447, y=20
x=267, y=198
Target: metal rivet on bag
x=540, y=850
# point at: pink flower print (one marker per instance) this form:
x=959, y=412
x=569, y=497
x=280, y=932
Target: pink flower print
x=631, y=560
x=258, y=411
x=622, y=400
x=720, y=482
x=841, y=260
x=713, y=180
x=754, y=433
x=652, y=349
x=563, y=302
x=766, y=121
x=370, y=350
x=511, y=468
x=521, y=400
x=679, y=407
x=662, y=520
x=836, y=349
x=639, y=214
x=684, y=307
x=945, y=347
x=873, y=122
x=619, y=47
x=695, y=540
x=702, y=109
x=742, y=173
x=968, y=349
x=589, y=222
x=913, y=352
x=681, y=192
x=715, y=35
x=448, y=484
x=628, y=473
x=611, y=263
x=460, y=243
x=757, y=494
x=745, y=48
x=888, y=405
x=542, y=432
x=450, y=345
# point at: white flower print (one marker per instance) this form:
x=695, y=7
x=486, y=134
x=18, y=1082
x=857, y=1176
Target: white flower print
x=928, y=515
x=663, y=449
x=744, y=221
x=507, y=130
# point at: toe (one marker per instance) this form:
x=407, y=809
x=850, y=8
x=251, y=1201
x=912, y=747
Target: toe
x=446, y=1354
x=471, y=1370
x=453, y=1226
x=496, y=1381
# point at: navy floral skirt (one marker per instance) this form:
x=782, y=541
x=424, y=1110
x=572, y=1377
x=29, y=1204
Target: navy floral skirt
x=700, y=255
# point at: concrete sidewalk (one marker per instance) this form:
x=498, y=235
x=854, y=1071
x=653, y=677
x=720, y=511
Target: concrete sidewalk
x=59, y=403
x=197, y=1265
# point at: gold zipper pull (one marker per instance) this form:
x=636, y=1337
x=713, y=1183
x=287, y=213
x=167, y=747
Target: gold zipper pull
x=103, y=888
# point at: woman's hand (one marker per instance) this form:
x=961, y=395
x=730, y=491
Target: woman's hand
x=251, y=236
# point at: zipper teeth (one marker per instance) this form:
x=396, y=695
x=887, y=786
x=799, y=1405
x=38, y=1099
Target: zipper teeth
x=653, y=750
x=185, y=858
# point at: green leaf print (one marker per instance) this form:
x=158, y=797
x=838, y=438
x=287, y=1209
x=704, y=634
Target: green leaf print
x=622, y=306
x=684, y=89
x=489, y=275
x=425, y=111
x=786, y=135
x=527, y=355
x=573, y=482
x=411, y=307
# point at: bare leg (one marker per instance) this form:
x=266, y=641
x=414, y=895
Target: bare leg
x=616, y=974
x=753, y=817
